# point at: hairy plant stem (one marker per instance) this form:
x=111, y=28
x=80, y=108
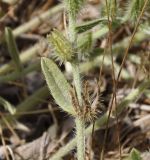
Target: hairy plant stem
x=80, y=135
x=72, y=30
x=80, y=124
x=77, y=81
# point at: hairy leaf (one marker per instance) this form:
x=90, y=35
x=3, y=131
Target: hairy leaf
x=58, y=85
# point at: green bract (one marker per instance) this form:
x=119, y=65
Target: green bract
x=62, y=47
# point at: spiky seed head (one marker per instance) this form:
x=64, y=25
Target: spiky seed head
x=94, y=109
x=90, y=108
x=63, y=50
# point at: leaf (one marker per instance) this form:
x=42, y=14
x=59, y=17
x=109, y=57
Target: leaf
x=12, y=47
x=7, y=105
x=135, y=154
x=89, y=25
x=58, y=85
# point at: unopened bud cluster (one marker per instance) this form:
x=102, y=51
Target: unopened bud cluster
x=63, y=50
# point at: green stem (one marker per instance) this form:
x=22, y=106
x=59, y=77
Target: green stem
x=80, y=134
x=77, y=81
x=80, y=124
x=72, y=30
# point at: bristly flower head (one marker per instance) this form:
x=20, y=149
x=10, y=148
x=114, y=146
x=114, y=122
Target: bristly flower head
x=73, y=6
x=91, y=106
x=63, y=50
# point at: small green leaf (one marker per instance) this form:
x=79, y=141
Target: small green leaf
x=7, y=105
x=62, y=47
x=89, y=25
x=58, y=85
x=12, y=47
x=135, y=154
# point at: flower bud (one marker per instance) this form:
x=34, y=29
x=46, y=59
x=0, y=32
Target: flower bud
x=63, y=50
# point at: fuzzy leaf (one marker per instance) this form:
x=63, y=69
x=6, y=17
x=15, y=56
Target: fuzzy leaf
x=7, y=105
x=58, y=85
x=135, y=154
x=62, y=47
x=89, y=25
x=12, y=47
